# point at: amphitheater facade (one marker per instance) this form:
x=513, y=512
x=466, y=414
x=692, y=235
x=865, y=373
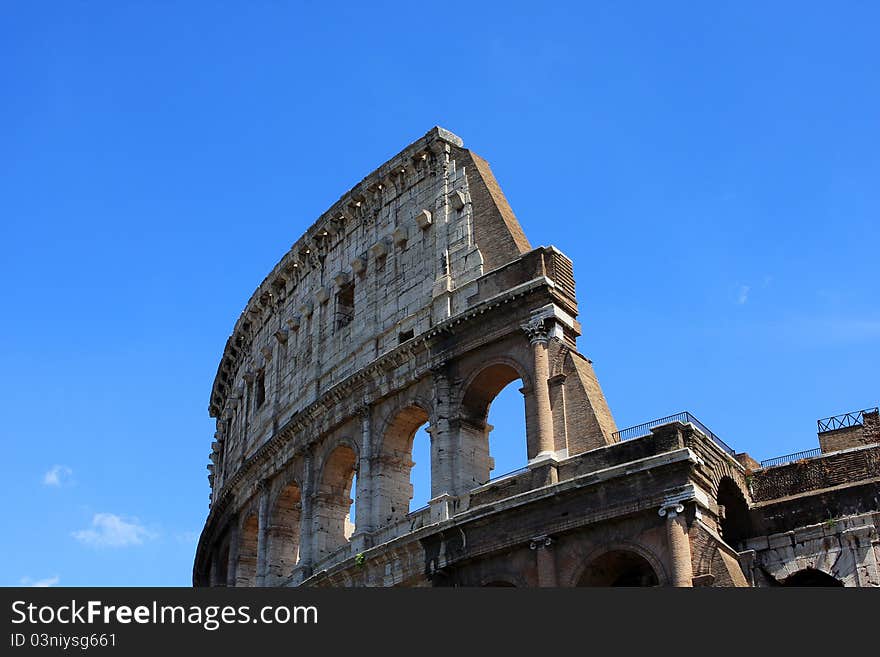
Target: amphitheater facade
x=416, y=299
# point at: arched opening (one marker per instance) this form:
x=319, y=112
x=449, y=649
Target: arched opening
x=283, y=535
x=492, y=425
x=811, y=577
x=333, y=527
x=351, y=517
x=736, y=525
x=619, y=568
x=420, y=473
x=246, y=569
x=395, y=464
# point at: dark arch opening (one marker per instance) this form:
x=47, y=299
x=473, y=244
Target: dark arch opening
x=283, y=534
x=619, y=568
x=736, y=525
x=811, y=577
x=246, y=570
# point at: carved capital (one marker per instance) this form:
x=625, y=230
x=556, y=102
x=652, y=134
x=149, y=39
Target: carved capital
x=540, y=542
x=536, y=330
x=671, y=509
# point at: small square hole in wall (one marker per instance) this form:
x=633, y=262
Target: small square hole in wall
x=403, y=336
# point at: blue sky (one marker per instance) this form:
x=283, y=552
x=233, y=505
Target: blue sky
x=711, y=169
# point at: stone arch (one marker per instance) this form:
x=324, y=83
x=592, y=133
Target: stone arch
x=248, y=545
x=477, y=392
x=723, y=470
x=503, y=578
x=484, y=383
x=733, y=512
x=283, y=533
x=394, y=462
x=810, y=577
x=633, y=555
x=618, y=568
x=332, y=526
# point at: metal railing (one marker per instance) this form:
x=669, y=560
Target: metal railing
x=855, y=418
x=644, y=429
x=525, y=468
x=791, y=458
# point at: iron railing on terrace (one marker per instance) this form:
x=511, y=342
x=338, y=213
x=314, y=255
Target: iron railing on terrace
x=525, y=468
x=791, y=458
x=644, y=429
x=844, y=421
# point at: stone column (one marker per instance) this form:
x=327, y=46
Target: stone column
x=364, y=522
x=539, y=339
x=546, y=561
x=307, y=532
x=444, y=479
x=678, y=545
x=262, y=534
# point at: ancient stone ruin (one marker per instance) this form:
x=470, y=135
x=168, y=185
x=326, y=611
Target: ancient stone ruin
x=416, y=299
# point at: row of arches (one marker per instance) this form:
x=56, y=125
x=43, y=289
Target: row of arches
x=625, y=568
x=400, y=477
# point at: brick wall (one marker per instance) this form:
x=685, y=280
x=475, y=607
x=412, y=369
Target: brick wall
x=813, y=474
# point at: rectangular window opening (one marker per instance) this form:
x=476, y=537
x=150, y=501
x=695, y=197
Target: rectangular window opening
x=259, y=389
x=345, y=305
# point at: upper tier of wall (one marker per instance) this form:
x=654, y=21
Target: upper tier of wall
x=386, y=263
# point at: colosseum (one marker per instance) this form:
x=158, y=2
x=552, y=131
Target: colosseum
x=416, y=299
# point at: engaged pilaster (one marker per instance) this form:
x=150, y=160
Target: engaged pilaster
x=546, y=561
x=306, y=559
x=262, y=534
x=364, y=521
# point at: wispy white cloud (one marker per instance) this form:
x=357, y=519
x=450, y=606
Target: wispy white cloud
x=743, y=295
x=110, y=530
x=40, y=583
x=57, y=475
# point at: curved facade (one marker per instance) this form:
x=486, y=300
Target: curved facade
x=416, y=299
